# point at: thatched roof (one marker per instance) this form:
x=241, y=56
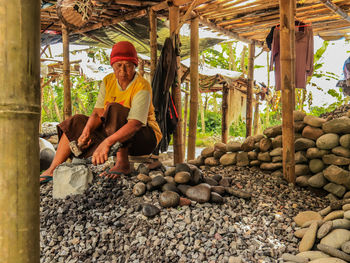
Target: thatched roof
x=245, y=20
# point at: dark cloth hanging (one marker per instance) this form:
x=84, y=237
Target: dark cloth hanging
x=164, y=108
x=304, y=51
x=344, y=84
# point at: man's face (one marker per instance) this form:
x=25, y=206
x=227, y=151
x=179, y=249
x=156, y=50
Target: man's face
x=124, y=70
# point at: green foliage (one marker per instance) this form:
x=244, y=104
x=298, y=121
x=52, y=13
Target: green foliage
x=238, y=129
x=212, y=122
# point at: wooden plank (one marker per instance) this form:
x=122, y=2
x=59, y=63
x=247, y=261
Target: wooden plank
x=176, y=90
x=194, y=76
x=19, y=117
x=153, y=41
x=67, y=103
x=287, y=61
x=249, y=115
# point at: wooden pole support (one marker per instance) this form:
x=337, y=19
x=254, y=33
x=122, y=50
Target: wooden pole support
x=176, y=91
x=153, y=40
x=194, y=76
x=185, y=118
x=19, y=118
x=249, y=113
x=287, y=32
x=224, y=126
x=67, y=103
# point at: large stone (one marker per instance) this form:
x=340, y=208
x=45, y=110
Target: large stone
x=144, y=178
x=340, y=255
x=276, y=152
x=258, y=137
x=150, y=210
x=273, y=131
x=228, y=158
x=248, y=144
x=292, y=258
x=207, y=152
x=264, y=157
x=157, y=182
x=299, y=126
x=336, y=189
x=301, y=169
x=302, y=144
x=341, y=223
x=238, y=193
x=324, y=229
x=182, y=177
x=328, y=260
x=298, y=115
x=327, y=141
x=312, y=255
x=345, y=141
x=337, y=175
x=317, y=181
x=300, y=232
x=302, y=180
x=47, y=153
x=210, y=181
x=334, y=215
x=170, y=172
x=233, y=147
x=270, y=166
x=336, y=238
x=316, y=166
x=336, y=160
x=314, y=121
x=340, y=125
x=252, y=155
x=346, y=247
x=197, y=177
x=218, y=189
x=265, y=144
x=170, y=187
x=312, y=132
x=219, y=146
x=300, y=157
x=341, y=151
x=303, y=217
x=216, y=198
x=255, y=163
x=199, y=193
x=309, y=238
x=169, y=199
x=277, y=141
x=70, y=180
x=242, y=159
x=211, y=161
x=182, y=167
x=217, y=154
x=277, y=159
x=315, y=153
x=347, y=214
x=139, y=189
x=183, y=188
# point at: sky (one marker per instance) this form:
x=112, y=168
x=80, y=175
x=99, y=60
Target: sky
x=334, y=57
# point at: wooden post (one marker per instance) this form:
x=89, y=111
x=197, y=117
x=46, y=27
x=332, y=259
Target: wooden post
x=153, y=40
x=224, y=128
x=202, y=108
x=256, y=115
x=19, y=121
x=142, y=67
x=287, y=31
x=268, y=86
x=242, y=60
x=250, y=89
x=185, y=118
x=194, y=76
x=67, y=103
x=176, y=91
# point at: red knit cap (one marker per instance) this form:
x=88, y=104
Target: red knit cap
x=124, y=50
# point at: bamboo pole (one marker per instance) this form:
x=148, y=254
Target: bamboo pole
x=224, y=126
x=19, y=122
x=242, y=60
x=268, y=86
x=256, y=115
x=201, y=106
x=142, y=67
x=250, y=89
x=153, y=40
x=287, y=31
x=67, y=103
x=176, y=91
x=185, y=118
x=194, y=76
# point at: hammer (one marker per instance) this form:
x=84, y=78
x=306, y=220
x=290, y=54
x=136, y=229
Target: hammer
x=76, y=150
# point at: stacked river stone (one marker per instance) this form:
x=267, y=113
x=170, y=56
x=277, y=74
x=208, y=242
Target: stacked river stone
x=325, y=235
x=322, y=153
x=185, y=183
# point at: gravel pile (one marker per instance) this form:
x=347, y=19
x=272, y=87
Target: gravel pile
x=337, y=113
x=106, y=224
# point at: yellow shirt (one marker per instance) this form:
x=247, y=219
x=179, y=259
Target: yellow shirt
x=136, y=97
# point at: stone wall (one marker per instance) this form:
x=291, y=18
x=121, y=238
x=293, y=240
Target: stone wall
x=322, y=153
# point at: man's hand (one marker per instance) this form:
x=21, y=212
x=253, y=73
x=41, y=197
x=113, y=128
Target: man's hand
x=84, y=140
x=100, y=155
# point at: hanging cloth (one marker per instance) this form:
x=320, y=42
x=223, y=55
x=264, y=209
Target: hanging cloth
x=164, y=108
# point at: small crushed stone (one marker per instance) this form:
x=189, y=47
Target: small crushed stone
x=106, y=224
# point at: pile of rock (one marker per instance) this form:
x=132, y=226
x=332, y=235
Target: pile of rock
x=186, y=180
x=325, y=235
x=322, y=153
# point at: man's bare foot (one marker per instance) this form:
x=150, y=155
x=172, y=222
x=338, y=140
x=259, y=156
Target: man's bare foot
x=115, y=172
x=46, y=177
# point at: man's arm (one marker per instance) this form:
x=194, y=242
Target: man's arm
x=93, y=123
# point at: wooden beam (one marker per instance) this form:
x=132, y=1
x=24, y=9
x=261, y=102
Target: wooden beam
x=185, y=118
x=224, y=121
x=336, y=9
x=194, y=76
x=226, y=32
x=67, y=103
x=19, y=117
x=249, y=106
x=176, y=91
x=153, y=40
x=287, y=62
